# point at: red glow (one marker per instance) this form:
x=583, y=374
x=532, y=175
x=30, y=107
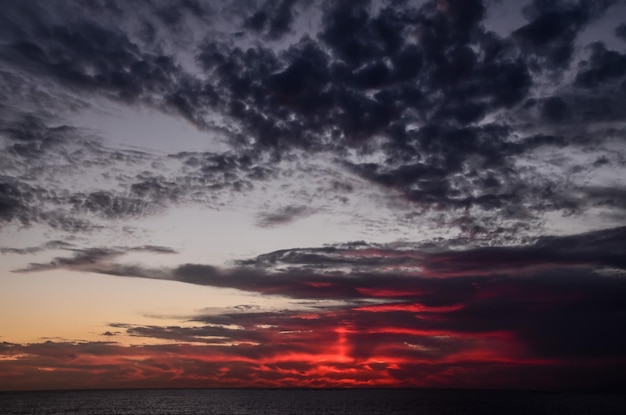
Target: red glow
x=413, y=307
x=388, y=293
x=323, y=364
x=325, y=357
x=319, y=284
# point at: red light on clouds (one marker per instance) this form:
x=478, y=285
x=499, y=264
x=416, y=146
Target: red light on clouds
x=388, y=293
x=412, y=307
x=319, y=284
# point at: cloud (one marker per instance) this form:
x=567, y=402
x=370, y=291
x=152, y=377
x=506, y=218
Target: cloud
x=100, y=260
x=553, y=28
x=36, y=249
x=42, y=160
x=552, y=317
x=37, y=155
x=557, y=302
x=358, y=271
x=284, y=216
x=154, y=249
x=604, y=66
x=547, y=305
x=85, y=54
x=275, y=18
x=12, y=203
x=593, y=250
x=499, y=328
x=418, y=99
x=620, y=31
x=82, y=258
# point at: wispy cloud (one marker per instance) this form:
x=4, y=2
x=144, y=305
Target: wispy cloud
x=283, y=216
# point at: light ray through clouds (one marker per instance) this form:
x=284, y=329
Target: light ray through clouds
x=313, y=194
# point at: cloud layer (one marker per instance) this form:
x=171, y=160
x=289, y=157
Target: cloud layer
x=487, y=317
x=423, y=100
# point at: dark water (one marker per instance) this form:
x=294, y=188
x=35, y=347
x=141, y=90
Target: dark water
x=296, y=402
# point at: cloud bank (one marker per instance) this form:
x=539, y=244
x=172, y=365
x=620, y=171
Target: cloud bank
x=401, y=317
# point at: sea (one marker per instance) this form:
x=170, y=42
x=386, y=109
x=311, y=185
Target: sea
x=313, y=401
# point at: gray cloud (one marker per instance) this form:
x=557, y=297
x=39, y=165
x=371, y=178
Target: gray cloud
x=35, y=249
x=361, y=271
x=620, y=31
x=362, y=83
x=100, y=260
x=283, y=216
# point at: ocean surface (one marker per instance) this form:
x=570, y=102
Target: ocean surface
x=297, y=402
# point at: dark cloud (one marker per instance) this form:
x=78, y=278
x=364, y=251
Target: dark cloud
x=554, y=109
x=439, y=176
x=361, y=91
x=81, y=257
x=369, y=80
x=99, y=260
x=154, y=249
x=13, y=202
x=214, y=172
x=553, y=28
x=110, y=205
x=550, y=315
x=354, y=255
x=104, y=57
x=363, y=82
x=32, y=132
x=90, y=56
x=348, y=32
x=594, y=250
x=346, y=272
x=551, y=318
x=35, y=249
x=174, y=16
x=284, y=216
x=275, y=18
x=603, y=67
x=620, y=31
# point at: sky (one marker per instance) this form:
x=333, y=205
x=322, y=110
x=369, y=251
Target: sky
x=289, y=193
